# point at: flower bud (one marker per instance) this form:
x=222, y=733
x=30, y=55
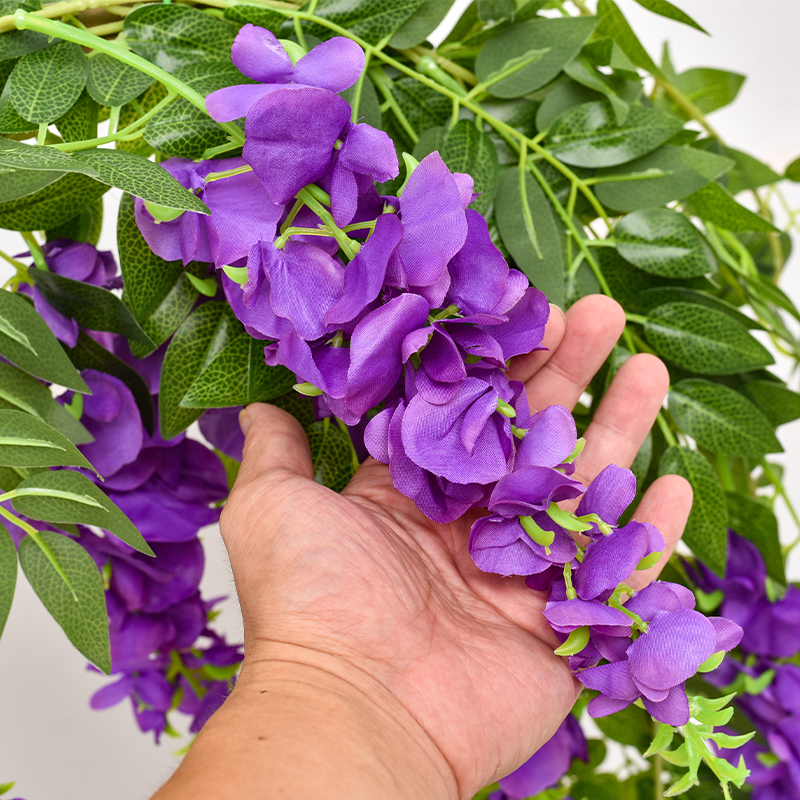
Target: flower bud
x=307, y=389
x=575, y=642
x=539, y=535
x=162, y=213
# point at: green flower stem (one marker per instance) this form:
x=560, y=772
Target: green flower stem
x=36, y=251
x=778, y=484
x=292, y=214
x=356, y=103
x=666, y=431
x=228, y=173
x=342, y=238
x=456, y=70
x=34, y=535
x=113, y=119
x=61, y=9
x=685, y=104
x=126, y=134
x=641, y=176
x=26, y=21
x=382, y=82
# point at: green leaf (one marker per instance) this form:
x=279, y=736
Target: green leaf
x=262, y=16
x=752, y=518
x=27, y=441
x=93, y=307
x=663, y=242
x=19, y=43
x=704, y=340
x=203, y=335
x=660, y=295
x=85, y=227
x=369, y=107
x=81, y=612
x=666, y=9
x=548, y=272
x=157, y=292
x=133, y=111
x=172, y=36
x=416, y=29
x=469, y=150
x=715, y=204
x=90, y=354
x=21, y=183
x=371, y=20
x=631, y=726
x=778, y=402
x=238, y=376
x=748, y=172
x=55, y=203
x=707, y=529
x=80, y=122
x=683, y=170
x=113, y=83
x=45, y=84
x=561, y=37
x=332, y=454
x=64, y=496
x=708, y=89
x=20, y=390
x=563, y=96
x=125, y=171
x=423, y=107
x=641, y=464
x=183, y=130
x=588, y=136
x=8, y=574
x=614, y=24
x=792, y=172
x=721, y=419
x=26, y=341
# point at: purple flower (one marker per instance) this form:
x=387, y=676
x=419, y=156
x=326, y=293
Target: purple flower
x=220, y=426
x=241, y=213
x=548, y=764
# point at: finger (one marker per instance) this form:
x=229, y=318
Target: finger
x=594, y=324
x=274, y=441
x=523, y=368
x=666, y=504
x=625, y=416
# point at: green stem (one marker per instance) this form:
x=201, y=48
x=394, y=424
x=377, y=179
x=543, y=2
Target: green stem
x=342, y=238
x=228, y=173
x=669, y=436
x=61, y=9
x=113, y=118
x=356, y=103
x=298, y=32
x=685, y=104
x=41, y=134
x=26, y=21
x=36, y=251
x=382, y=82
x=778, y=484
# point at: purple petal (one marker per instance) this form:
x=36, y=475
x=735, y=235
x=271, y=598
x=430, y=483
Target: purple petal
x=335, y=64
x=674, y=710
x=602, y=706
x=532, y=489
x=369, y=151
x=290, y=135
x=660, y=596
x=525, y=327
x=501, y=546
x=64, y=329
x=728, y=634
x=257, y=53
x=112, y=693
x=220, y=426
x=613, y=680
x=258, y=317
x=235, y=102
x=376, y=436
x=609, y=494
x=466, y=184
x=551, y=438
x=154, y=690
x=571, y=614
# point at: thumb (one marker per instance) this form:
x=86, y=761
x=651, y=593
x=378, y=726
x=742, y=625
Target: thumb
x=274, y=441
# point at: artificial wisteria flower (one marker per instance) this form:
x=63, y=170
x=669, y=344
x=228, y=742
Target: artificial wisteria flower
x=78, y=261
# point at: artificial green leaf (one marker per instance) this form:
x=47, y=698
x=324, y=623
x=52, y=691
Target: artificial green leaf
x=208, y=77
x=133, y=111
x=56, y=202
x=613, y=24
x=792, y=172
x=469, y=150
x=432, y=139
x=422, y=106
x=562, y=38
x=716, y=204
x=80, y=122
x=641, y=464
x=19, y=43
x=563, y=96
x=660, y=295
x=93, y=307
x=85, y=227
x=704, y=340
x=63, y=496
x=588, y=136
x=157, y=292
x=26, y=341
x=79, y=610
x=369, y=107
x=663, y=242
x=15, y=184
x=10, y=120
x=675, y=173
x=238, y=376
x=175, y=35
x=631, y=726
x=27, y=441
x=332, y=454
x=183, y=130
x=298, y=405
x=708, y=89
x=370, y=20
x=721, y=419
x=416, y=29
x=748, y=172
x=8, y=574
x=494, y=10
x=707, y=529
x=262, y=16
x=90, y=354
x=666, y=9
x=45, y=84
x=778, y=402
x=548, y=272
x=203, y=335
x=752, y=518
x=112, y=83
x=22, y=391
x=582, y=71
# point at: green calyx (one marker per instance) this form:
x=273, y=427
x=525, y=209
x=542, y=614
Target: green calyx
x=576, y=641
x=307, y=389
x=712, y=662
x=539, y=535
x=506, y=409
x=236, y=274
x=411, y=164
x=75, y=406
x=650, y=561
x=162, y=213
x=293, y=50
x=566, y=520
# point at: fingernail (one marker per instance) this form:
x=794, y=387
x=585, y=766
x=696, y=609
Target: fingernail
x=244, y=421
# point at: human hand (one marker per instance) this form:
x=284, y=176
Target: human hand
x=362, y=586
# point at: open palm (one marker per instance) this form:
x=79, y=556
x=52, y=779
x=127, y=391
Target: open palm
x=364, y=584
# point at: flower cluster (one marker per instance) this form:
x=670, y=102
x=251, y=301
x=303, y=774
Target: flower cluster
x=768, y=680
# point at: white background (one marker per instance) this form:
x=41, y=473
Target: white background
x=56, y=747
